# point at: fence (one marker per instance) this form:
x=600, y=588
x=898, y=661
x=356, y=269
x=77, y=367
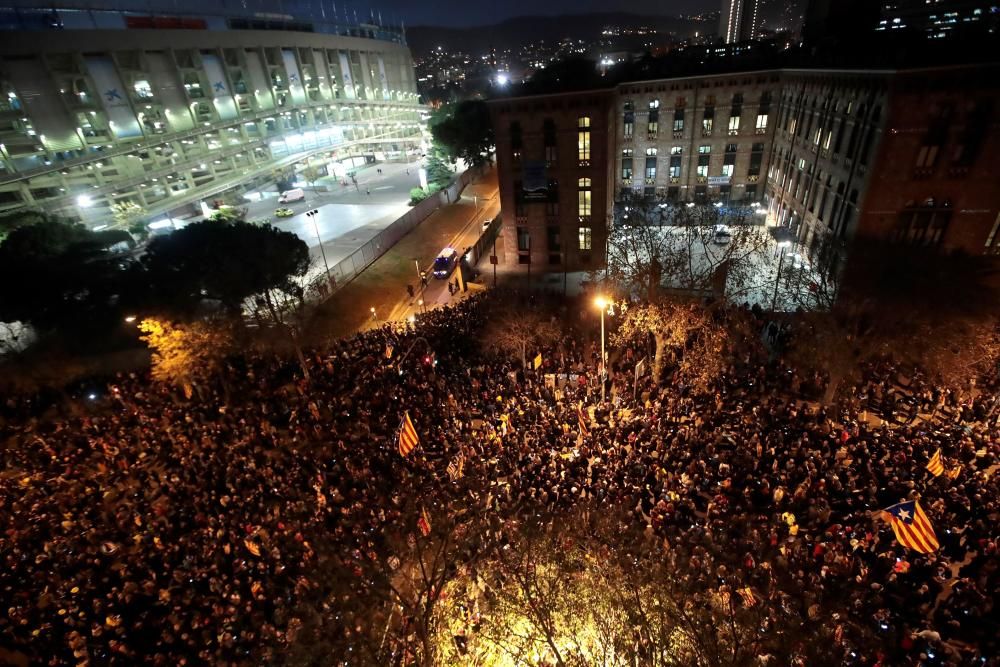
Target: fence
x=346, y=269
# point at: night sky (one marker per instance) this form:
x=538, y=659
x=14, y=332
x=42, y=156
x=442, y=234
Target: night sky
x=464, y=13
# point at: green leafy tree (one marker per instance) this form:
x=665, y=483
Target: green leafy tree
x=73, y=274
x=467, y=133
x=311, y=174
x=227, y=262
x=439, y=174
x=126, y=213
x=185, y=355
x=18, y=219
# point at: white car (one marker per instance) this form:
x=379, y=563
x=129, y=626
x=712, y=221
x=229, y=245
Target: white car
x=721, y=236
x=288, y=196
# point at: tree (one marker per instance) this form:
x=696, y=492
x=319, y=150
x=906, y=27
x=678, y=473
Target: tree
x=515, y=324
x=185, y=355
x=311, y=174
x=23, y=218
x=697, y=250
x=228, y=262
x=74, y=277
x=467, y=133
x=686, y=333
x=126, y=213
x=889, y=296
x=439, y=174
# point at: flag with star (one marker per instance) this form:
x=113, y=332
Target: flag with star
x=936, y=466
x=424, y=522
x=912, y=527
x=408, y=438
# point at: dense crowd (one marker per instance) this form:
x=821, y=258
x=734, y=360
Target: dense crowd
x=144, y=528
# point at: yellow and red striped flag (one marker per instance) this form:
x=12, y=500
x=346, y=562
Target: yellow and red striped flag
x=936, y=466
x=955, y=472
x=749, y=600
x=424, y=522
x=581, y=417
x=388, y=350
x=912, y=527
x=408, y=438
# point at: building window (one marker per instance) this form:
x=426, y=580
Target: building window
x=756, y=158
x=551, y=153
x=523, y=239
x=584, y=240
x=626, y=168
x=552, y=209
x=676, y=150
x=653, y=122
x=650, y=168
x=707, y=121
x=734, y=125
x=704, y=149
x=583, y=140
x=728, y=164
x=552, y=236
x=516, y=140
x=922, y=225
x=761, y=126
x=703, y=161
x=583, y=198
x=549, y=132
x=629, y=119
x=675, y=166
x=679, y=120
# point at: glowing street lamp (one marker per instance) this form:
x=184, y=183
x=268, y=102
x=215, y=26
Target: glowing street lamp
x=602, y=303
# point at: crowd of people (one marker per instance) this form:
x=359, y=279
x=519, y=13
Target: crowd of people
x=142, y=527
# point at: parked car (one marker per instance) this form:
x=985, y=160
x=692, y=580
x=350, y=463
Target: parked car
x=283, y=212
x=721, y=235
x=288, y=196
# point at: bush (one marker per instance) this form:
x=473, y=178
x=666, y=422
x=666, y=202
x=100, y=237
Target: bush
x=417, y=195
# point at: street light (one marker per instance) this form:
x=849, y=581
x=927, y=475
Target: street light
x=130, y=318
x=312, y=216
x=602, y=303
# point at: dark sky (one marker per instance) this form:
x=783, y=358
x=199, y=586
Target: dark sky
x=463, y=13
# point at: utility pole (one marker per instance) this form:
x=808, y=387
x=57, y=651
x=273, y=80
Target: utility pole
x=312, y=216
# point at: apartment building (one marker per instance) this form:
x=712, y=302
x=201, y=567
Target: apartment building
x=833, y=155
x=165, y=104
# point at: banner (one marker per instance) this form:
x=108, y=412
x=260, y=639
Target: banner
x=383, y=79
x=218, y=88
x=348, y=79
x=113, y=96
x=534, y=181
x=295, y=86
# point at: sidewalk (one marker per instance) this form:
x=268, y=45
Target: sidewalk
x=383, y=284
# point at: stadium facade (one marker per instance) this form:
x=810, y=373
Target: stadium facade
x=167, y=104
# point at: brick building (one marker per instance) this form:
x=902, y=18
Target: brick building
x=834, y=155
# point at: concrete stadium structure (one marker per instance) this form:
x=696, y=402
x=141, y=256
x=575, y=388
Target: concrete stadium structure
x=169, y=104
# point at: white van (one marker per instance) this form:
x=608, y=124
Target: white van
x=288, y=196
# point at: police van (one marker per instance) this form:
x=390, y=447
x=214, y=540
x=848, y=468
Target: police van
x=444, y=264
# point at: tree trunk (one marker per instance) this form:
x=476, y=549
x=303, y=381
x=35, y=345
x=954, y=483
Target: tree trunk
x=658, y=357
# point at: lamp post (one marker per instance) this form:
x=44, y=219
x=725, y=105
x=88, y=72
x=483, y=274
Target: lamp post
x=312, y=216
x=602, y=303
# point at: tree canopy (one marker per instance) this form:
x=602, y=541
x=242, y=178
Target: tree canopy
x=225, y=261
x=467, y=133
x=72, y=272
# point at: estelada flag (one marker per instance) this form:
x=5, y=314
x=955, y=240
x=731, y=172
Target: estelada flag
x=581, y=417
x=912, y=527
x=936, y=466
x=748, y=597
x=424, y=522
x=388, y=350
x=538, y=361
x=407, y=436
x=954, y=472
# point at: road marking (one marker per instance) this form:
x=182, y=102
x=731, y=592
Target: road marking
x=383, y=187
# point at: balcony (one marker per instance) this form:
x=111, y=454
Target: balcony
x=701, y=180
x=651, y=181
x=584, y=163
x=651, y=136
x=706, y=133
x=760, y=130
x=734, y=133
x=675, y=179
x=626, y=181
x=678, y=134
x=627, y=138
x=753, y=178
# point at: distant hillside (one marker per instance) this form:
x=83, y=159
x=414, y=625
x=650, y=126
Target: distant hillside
x=525, y=29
